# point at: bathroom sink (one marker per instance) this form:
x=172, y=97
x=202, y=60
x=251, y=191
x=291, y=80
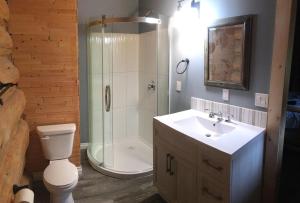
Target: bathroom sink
x=204, y=126
x=228, y=137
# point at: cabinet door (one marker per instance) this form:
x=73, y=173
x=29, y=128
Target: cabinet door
x=165, y=182
x=186, y=175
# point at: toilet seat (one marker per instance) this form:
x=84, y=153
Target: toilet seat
x=61, y=174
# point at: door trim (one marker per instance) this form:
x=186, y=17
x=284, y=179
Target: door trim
x=280, y=73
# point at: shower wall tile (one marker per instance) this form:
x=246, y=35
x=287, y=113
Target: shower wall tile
x=163, y=52
x=148, y=61
x=96, y=126
x=132, y=53
x=119, y=90
x=132, y=89
x=129, y=65
x=96, y=92
x=132, y=121
x=249, y=116
x=147, y=73
x=163, y=95
x=119, y=122
x=147, y=98
x=125, y=83
x=107, y=54
x=95, y=59
x=146, y=128
x=125, y=52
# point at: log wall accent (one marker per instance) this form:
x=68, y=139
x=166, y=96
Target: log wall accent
x=12, y=159
x=10, y=114
x=4, y=11
x=14, y=132
x=8, y=72
x=5, y=39
x=44, y=33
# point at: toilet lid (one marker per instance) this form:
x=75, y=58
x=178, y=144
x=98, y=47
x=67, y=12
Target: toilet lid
x=60, y=173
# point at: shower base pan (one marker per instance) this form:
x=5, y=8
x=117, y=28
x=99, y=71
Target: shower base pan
x=126, y=158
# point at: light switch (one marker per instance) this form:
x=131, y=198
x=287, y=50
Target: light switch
x=225, y=94
x=261, y=100
x=178, y=86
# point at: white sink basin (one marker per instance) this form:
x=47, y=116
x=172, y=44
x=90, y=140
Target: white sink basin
x=203, y=126
x=224, y=136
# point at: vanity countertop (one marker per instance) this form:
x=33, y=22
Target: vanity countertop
x=228, y=143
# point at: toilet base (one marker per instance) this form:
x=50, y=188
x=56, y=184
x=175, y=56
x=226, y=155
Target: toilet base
x=61, y=198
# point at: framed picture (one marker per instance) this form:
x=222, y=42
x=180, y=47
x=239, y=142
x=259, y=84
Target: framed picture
x=228, y=53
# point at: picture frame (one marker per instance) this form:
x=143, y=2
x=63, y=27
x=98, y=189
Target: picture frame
x=228, y=53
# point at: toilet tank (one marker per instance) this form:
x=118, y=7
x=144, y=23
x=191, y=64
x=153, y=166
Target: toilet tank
x=57, y=140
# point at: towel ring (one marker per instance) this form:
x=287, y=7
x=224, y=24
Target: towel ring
x=187, y=62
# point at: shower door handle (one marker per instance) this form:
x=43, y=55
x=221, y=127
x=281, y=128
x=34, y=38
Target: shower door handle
x=107, y=98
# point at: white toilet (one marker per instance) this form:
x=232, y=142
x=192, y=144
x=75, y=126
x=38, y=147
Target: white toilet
x=61, y=176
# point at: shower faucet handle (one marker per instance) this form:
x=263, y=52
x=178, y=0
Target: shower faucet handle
x=151, y=85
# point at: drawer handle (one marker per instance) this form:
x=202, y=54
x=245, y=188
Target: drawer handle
x=207, y=162
x=217, y=197
x=172, y=171
x=168, y=163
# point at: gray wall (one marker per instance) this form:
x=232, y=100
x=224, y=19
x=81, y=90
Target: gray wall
x=90, y=10
x=193, y=79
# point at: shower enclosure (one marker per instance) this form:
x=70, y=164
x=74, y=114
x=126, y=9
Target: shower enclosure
x=128, y=65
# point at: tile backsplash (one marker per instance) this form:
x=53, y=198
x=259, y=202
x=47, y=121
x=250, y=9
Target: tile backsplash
x=249, y=116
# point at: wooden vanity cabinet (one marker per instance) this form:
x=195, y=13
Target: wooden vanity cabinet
x=175, y=168
x=188, y=171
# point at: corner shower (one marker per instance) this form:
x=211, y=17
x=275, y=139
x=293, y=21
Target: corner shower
x=128, y=74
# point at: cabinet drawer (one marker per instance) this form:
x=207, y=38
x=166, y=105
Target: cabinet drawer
x=211, y=191
x=186, y=146
x=214, y=163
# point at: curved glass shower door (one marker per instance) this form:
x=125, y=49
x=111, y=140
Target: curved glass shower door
x=128, y=86
x=100, y=99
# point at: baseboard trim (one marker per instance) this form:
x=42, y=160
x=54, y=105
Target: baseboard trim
x=84, y=145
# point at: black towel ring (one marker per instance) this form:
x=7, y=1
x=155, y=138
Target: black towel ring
x=187, y=62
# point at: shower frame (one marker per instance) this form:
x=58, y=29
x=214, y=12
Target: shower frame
x=104, y=22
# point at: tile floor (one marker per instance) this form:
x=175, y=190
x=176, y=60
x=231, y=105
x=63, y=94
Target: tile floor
x=93, y=187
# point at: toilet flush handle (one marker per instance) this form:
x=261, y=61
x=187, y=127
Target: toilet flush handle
x=45, y=138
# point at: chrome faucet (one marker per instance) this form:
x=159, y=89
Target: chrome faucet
x=228, y=120
x=219, y=119
x=212, y=115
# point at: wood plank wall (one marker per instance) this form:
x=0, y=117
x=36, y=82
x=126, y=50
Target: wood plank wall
x=44, y=33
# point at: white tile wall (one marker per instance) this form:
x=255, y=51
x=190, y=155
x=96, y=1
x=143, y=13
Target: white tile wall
x=249, y=116
x=125, y=86
x=148, y=72
x=129, y=64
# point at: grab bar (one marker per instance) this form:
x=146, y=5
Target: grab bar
x=107, y=98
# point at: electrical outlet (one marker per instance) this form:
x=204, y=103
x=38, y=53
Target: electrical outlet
x=225, y=94
x=261, y=100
